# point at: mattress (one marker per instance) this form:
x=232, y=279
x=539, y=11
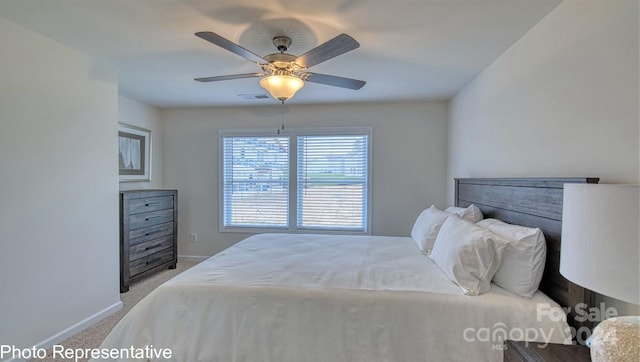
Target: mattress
x=302, y=297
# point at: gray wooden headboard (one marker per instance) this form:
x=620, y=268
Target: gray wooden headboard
x=533, y=202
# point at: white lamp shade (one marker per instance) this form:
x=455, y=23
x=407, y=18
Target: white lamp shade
x=282, y=87
x=601, y=239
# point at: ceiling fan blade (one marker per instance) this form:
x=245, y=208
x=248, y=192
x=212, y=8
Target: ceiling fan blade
x=334, y=80
x=229, y=77
x=230, y=46
x=332, y=48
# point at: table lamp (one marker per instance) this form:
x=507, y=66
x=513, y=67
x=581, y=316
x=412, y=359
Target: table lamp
x=601, y=251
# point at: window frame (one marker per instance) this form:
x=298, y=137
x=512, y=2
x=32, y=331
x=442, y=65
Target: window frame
x=292, y=134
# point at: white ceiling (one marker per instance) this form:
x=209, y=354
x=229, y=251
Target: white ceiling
x=410, y=49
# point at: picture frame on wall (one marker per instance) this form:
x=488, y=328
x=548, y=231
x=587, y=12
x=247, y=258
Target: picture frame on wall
x=134, y=153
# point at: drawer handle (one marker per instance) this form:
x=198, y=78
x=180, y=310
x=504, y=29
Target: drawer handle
x=152, y=203
x=153, y=246
x=155, y=232
x=151, y=218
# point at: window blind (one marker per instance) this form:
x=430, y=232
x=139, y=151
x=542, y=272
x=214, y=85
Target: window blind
x=332, y=182
x=255, y=181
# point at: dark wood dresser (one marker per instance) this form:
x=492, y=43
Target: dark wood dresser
x=148, y=233
x=538, y=352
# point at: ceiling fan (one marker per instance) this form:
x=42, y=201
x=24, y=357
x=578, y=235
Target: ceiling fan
x=284, y=74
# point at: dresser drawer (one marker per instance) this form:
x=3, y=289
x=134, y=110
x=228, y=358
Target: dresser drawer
x=139, y=221
x=153, y=232
x=150, y=261
x=137, y=206
x=149, y=247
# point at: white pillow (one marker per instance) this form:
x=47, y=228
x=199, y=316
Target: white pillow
x=523, y=259
x=471, y=213
x=468, y=254
x=426, y=227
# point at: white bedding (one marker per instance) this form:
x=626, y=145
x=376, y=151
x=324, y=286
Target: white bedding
x=295, y=297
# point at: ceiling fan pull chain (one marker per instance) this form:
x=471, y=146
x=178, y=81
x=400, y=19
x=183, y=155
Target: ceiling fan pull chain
x=280, y=118
x=282, y=114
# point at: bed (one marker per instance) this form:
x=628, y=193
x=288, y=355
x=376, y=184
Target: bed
x=295, y=297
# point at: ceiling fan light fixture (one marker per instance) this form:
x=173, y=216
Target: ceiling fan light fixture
x=282, y=87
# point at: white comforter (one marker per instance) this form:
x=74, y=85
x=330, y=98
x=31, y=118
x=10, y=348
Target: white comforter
x=293, y=297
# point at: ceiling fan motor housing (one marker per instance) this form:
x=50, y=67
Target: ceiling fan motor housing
x=282, y=43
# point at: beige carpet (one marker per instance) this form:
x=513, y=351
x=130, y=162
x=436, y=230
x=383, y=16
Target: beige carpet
x=93, y=336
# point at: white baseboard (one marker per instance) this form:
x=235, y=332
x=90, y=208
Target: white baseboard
x=196, y=258
x=80, y=326
x=76, y=328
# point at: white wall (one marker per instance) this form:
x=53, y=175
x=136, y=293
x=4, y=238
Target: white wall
x=59, y=209
x=563, y=101
x=135, y=113
x=409, y=161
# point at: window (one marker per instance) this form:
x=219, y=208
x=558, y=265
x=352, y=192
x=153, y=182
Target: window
x=332, y=182
x=318, y=176
x=255, y=181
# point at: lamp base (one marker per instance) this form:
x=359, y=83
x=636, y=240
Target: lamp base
x=616, y=339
